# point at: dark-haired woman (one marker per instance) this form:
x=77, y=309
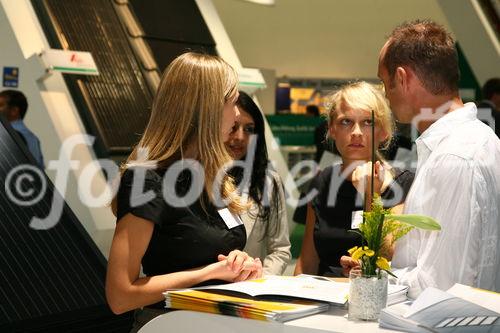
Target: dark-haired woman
x=266, y=222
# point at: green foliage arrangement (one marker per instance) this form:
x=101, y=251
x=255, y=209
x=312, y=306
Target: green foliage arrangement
x=377, y=225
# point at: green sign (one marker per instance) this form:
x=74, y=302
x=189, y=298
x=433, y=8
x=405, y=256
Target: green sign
x=294, y=130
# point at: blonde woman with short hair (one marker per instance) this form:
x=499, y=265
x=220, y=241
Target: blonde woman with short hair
x=337, y=206
x=169, y=214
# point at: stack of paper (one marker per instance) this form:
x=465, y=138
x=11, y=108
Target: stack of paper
x=438, y=311
x=280, y=298
x=196, y=300
x=396, y=294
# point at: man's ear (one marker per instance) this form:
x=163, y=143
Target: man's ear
x=407, y=78
x=401, y=77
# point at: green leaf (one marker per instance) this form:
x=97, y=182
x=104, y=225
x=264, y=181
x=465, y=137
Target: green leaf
x=418, y=221
x=357, y=232
x=390, y=273
x=377, y=242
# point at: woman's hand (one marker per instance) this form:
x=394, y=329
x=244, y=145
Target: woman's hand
x=347, y=263
x=237, y=266
x=234, y=260
x=362, y=180
x=361, y=177
x=220, y=271
x=252, y=269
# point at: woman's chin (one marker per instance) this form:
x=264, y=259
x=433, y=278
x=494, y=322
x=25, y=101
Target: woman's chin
x=237, y=154
x=354, y=156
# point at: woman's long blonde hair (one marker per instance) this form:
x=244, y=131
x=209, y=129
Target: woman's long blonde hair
x=187, y=114
x=362, y=95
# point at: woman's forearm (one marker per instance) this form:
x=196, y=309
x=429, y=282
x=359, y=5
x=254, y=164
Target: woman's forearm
x=123, y=296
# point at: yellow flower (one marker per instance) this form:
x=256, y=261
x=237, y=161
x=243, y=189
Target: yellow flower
x=359, y=252
x=368, y=252
x=351, y=250
x=382, y=263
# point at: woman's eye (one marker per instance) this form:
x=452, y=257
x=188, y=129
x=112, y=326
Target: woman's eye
x=368, y=122
x=249, y=129
x=345, y=122
x=235, y=128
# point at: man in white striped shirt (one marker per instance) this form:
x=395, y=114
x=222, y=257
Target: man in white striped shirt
x=458, y=172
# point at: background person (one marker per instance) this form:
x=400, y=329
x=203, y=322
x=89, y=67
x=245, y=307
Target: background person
x=491, y=100
x=327, y=235
x=266, y=222
x=320, y=131
x=179, y=245
x=14, y=105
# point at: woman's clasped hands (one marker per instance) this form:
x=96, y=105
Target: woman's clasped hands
x=236, y=266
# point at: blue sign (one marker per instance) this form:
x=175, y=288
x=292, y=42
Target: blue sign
x=11, y=77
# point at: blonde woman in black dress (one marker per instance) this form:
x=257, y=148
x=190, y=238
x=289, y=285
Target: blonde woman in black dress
x=338, y=204
x=170, y=219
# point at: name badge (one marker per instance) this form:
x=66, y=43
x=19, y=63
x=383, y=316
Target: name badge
x=357, y=219
x=229, y=218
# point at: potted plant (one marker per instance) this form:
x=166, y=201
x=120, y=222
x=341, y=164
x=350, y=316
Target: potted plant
x=368, y=283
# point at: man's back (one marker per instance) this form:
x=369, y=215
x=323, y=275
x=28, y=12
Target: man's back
x=458, y=184
x=31, y=139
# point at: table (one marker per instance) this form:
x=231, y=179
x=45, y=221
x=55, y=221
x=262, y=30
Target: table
x=334, y=320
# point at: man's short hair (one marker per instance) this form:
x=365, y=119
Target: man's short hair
x=491, y=87
x=17, y=99
x=429, y=50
